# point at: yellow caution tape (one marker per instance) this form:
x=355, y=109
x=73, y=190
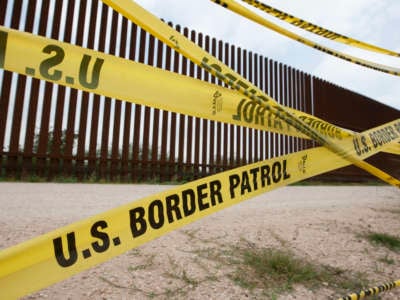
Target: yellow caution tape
x=318, y=30
x=57, y=255
x=180, y=43
x=393, y=149
x=119, y=78
x=372, y=291
x=107, y=235
x=134, y=82
x=243, y=11
x=52, y=257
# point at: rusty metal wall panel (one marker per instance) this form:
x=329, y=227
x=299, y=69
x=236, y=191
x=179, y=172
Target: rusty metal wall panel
x=105, y=166
x=183, y=136
x=239, y=139
x=115, y=151
x=137, y=153
x=18, y=105
x=309, y=104
x=204, y=123
x=173, y=124
x=289, y=102
x=250, y=131
x=231, y=56
x=286, y=103
x=3, y=14
x=264, y=87
x=273, y=91
x=356, y=112
x=211, y=144
x=96, y=102
x=46, y=105
x=4, y=99
x=257, y=82
x=80, y=167
x=145, y=164
x=180, y=119
x=295, y=105
x=164, y=139
x=154, y=145
x=13, y=167
x=84, y=102
x=219, y=146
x=282, y=144
x=348, y=109
x=70, y=135
x=189, y=169
x=304, y=100
x=172, y=146
x=55, y=151
x=221, y=138
x=6, y=87
x=125, y=142
x=245, y=141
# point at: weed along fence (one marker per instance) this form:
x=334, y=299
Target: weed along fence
x=48, y=130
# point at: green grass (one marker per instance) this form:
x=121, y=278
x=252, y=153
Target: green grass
x=279, y=266
x=276, y=271
x=389, y=241
x=263, y=272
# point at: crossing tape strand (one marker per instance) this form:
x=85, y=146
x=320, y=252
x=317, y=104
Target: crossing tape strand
x=119, y=78
x=243, y=11
x=372, y=291
x=181, y=44
x=57, y=255
x=69, y=250
x=74, y=248
x=134, y=82
x=318, y=30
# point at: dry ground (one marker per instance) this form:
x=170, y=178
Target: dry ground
x=321, y=224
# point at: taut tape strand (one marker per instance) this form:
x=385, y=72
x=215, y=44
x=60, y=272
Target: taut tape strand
x=120, y=78
x=243, y=11
x=180, y=43
x=134, y=82
x=57, y=255
x=318, y=30
x=69, y=250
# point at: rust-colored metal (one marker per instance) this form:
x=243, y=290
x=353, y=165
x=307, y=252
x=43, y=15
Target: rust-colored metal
x=125, y=142
x=146, y=126
x=250, y=139
x=115, y=151
x=230, y=60
x=197, y=125
x=55, y=151
x=286, y=103
x=94, y=122
x=42, y=149
x=164, y=141
x=202, y=146
x=7, y=81
x=70, y=131
x=12, y=161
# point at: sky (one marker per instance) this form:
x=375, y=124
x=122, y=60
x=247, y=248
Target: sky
x=373, y=21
